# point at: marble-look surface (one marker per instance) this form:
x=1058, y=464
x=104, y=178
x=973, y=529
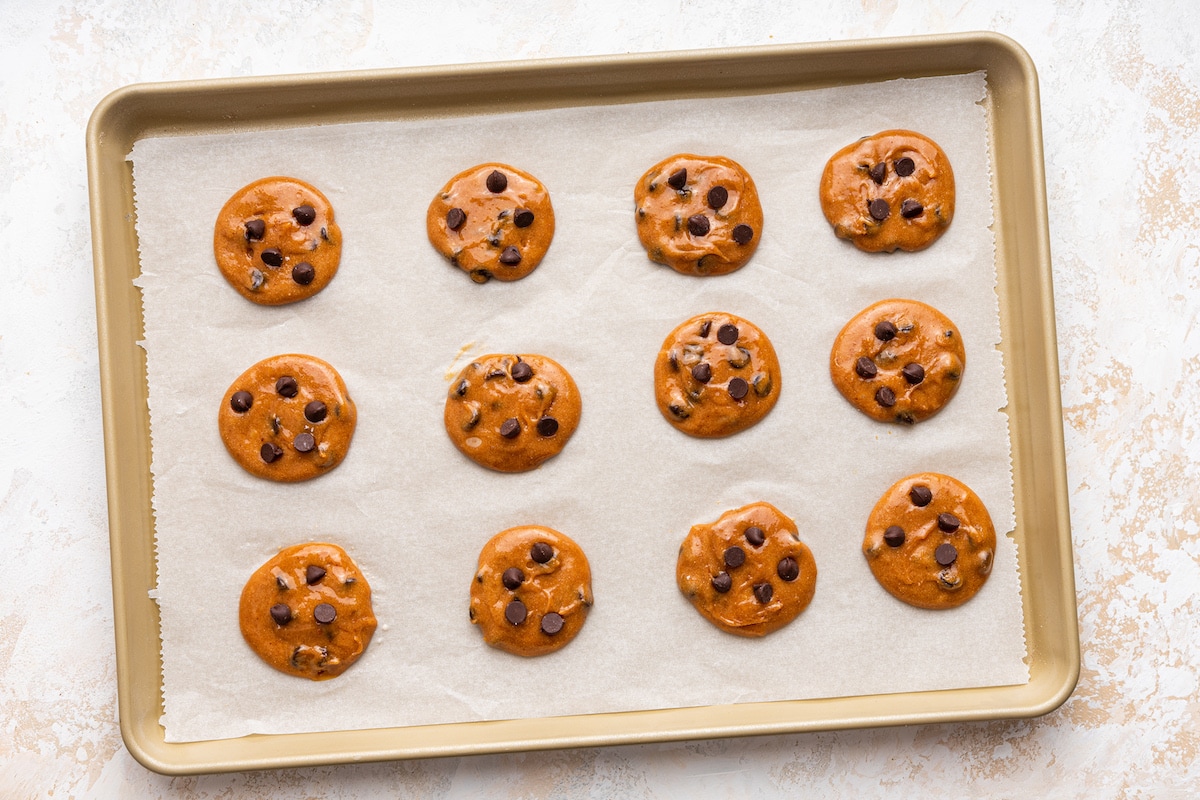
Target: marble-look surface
x=1120, y=86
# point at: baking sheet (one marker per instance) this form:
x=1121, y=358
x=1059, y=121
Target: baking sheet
x=414, y=513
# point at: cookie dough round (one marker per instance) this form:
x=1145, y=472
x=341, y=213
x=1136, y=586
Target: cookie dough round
x=898, y=361
x=512, y=412
x=288, y=418
x=307, y=611
x=276, y=241
x=717, y=374
x=532, y=590
x=748, y=573
x=492, y=221
x=930, y=541
x=699, y=215
x=893, y=190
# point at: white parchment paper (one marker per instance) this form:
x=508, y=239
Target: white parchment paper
x=398, y=322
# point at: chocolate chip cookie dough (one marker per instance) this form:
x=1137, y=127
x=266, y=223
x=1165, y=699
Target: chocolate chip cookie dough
x=717, y=374
x=699, y=215
x=898, y=361
x=532, y=590
x=748, y=573
x=512, y=412
x=307, y=611
x=492, y=221
x=893, y=190
x=276, y=241
x=930, y=541
x=288, y=418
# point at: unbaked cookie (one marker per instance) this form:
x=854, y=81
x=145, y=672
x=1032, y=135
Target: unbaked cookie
x=532, y=590
x=512, y=412
x=492, y=221
x=930, y=541
x=699, y=215
x=898, y=361
x=748, y=573
x=276, y=241
x=717, y=374
x=307, y=611
x=288, y=418
x=893, y=190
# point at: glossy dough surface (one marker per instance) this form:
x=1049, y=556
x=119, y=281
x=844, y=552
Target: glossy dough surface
x=531, y=591
x=748, y=573
x=276, y=242
x=307, y=611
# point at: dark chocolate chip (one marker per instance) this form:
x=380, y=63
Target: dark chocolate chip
x=547, y=426
x=742, y=234
x=946, y=554
x=738, y=388
x=304, y=443
x=878, y=172
x=521, y=372
x=911, y=208
x=324, y=613
x=287, y=386
x=480, y=275
x=255, y=230
x=894, y=536
x=727, y=334
x=763, y=592
x=948, y=523
x=241, y=402
x=866, y=368
x=281, y=613
x=885, y=397
x=510, y=428
x=885, y=331
x=305, y=214
x=541, y=552
x=552, y=623
x=270, y=452
x=678, y=179
x=281, y=582
x=705, y=327
x=921, y=496
x=510, y=256
x=497, y=182
x=722, y=582
x=523, y=218
x=272, y=257
x=698, y=225
x=913, y=373
x=313, y=574
x=734, y=556
x=256, y=280
x=788, y=569
x=462, y=387
x=512, y=578
x=702, y=372
x=755, y=535
x=455, y=218
x=315, y=411
x=904, y=167
x=303, y=273
x=717, y=197
x=879, y=209
x=515, y=612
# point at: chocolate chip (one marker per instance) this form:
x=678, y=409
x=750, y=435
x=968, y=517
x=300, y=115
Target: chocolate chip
x=722, y=582
x=913, y=373
x=755, y=535
x=541, y=552
x=702, y=372
x=521, y=372
x=522, y=217
x=885, y=397
x=255, y=230
x=763, y=592
x=678, y=179
x=727, y=334
x=894, y=536
x=511, y=256
x=705, y=327
x=734, y=556
x=313, y=574
x=878, y=172
x=866, y=368
x=241, y=402
x=885, y=331
x=512, y=578
x=717, y=197
x=287, y=386
x=879, y=209
x=698, y=225
x=547, y=426
x=738, y=388
x=281, y=582
x=948, y=523
x=920, y=496
x=945, y=554
x=497, y=182
x=510, y=428
x=303, y=273
x=552, y=623
x=788, y=569
x=455, y=218
x=270, y=452
x=304, y=443
x=315, y=411
x=272, y=257
x=904, y=166
x=281, y=613
x=515, y=612
x=324, y=613
x=304, y=214
x=256, y=280
x=911, y=208
x=742, y=234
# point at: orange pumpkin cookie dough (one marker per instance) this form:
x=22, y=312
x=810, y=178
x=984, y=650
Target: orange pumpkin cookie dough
x=307, y=611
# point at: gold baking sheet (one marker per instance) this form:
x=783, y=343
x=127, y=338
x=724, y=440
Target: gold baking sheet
x=1027, y=319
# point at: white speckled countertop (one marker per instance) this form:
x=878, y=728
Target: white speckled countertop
x=1120, y=88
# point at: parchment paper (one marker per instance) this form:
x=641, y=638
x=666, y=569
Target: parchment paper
x=398, y=322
